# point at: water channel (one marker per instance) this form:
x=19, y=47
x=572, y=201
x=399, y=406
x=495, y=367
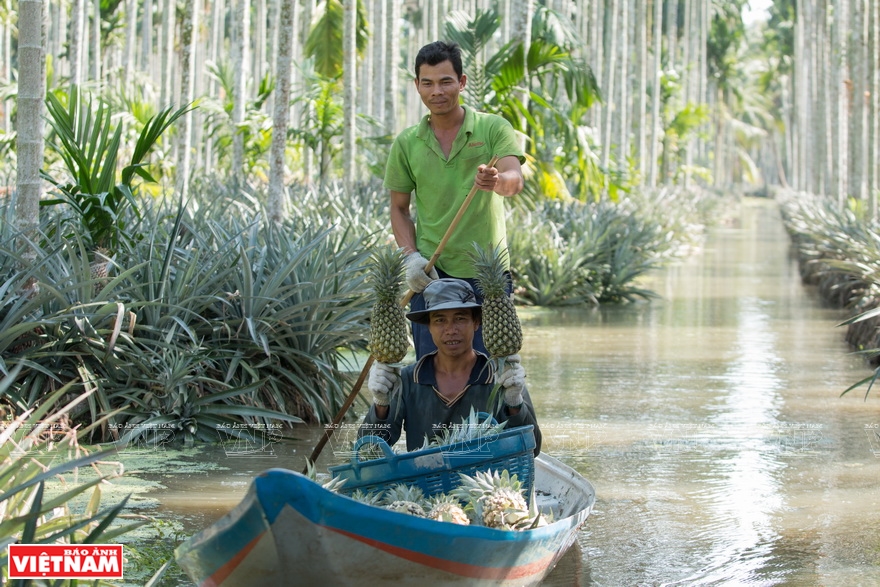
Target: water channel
x=709, y=422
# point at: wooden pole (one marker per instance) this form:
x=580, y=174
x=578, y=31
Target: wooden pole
x=328, y=430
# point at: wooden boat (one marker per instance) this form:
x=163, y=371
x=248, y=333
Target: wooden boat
x=289, y=530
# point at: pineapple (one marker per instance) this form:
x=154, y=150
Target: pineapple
x=333, y=484
x=388, y=330
x=470, y=428
x=370, y=452
x=494, y=500
x=98, y=269
x=405, y=499
x=445, y=508
x=366, y=497
x=502, y=332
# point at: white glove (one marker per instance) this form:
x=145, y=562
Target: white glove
x=383, y=381
x=512, y=378
x=416, y=278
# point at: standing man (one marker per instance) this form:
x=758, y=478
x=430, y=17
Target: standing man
x=439, y=160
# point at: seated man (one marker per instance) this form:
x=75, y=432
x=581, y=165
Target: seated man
x=439, y=390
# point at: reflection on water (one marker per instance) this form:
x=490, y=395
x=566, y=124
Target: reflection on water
x=710, y=423
x=708, y=420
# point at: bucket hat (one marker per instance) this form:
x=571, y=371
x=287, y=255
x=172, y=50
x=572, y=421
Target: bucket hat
x=445, y=294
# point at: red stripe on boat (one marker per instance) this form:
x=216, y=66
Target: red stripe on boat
x=221, y=574
x=463, y=569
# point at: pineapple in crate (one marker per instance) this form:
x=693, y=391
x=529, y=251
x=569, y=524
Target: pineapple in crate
x=405, y=499
x=497, y=501
x=445, y=508
x=389, y=335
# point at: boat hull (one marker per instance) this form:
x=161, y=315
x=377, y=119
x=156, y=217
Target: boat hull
x=290, y=530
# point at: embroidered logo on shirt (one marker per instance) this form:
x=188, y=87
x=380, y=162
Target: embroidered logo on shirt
x=478, y=144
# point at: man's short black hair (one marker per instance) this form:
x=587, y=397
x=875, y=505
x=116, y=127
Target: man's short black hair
x=438, y=52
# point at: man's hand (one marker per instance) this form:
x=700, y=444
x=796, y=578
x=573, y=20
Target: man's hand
x=505, y=179
x=416, y=278
x=383, y=381
x=487, y=178
x=512, y=378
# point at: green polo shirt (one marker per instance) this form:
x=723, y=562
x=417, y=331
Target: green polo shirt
x=416, y=164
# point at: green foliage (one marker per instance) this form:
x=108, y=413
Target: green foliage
x=574, y=253
x=255, y=128
x=838, y=251
x=321, y=123
x=213, y=317
x=514, y=84
x=152, y=558
x=36, y=449
x=88, y=142
x=324, y=43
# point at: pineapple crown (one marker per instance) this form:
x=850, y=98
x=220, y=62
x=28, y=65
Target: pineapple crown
x=403, y=492
x=445, y=294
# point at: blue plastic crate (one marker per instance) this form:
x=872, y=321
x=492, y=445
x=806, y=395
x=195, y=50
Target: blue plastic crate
x=436, y=470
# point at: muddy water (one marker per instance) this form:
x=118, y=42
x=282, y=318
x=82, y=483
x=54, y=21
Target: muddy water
x=709, y=422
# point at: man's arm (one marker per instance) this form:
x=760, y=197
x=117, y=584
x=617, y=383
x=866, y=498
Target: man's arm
x=402, y=224
x=505, y=179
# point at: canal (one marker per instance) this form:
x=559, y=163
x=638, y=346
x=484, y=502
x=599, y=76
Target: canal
x=709, y=421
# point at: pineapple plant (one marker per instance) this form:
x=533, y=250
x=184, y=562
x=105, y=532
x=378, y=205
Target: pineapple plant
x=502, y=331
x=445, y=508
x=404, y=499
x=494, y=500
x=389, y=335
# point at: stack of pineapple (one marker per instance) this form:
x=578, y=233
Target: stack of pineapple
x=486, y=499
x=502, y=331
x=389, y=335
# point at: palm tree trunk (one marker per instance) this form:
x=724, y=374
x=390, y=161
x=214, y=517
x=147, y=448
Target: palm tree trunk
x=188, y=43
x=215, y=41
x=641, y=79
x=392, y=50
x=623, y=110
x=6, y=72
x=309, y=155
x=381, y=72
x=796, y=98
x=656, y=123
x=672, y=34
x=240, y=60
x=259, y=41
x=349, y=99
x=874, y=116
x=609, y=84
x=29, y=122
x=166, y=52
x=841, y=104
x=821, y=129
x=521, y=29
x=858, y=114
x=128, y=55
x=281, y=111
x=146, y=36
x=802, y=96
x=95, y=31
x=597, y=46
x=77, y=11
